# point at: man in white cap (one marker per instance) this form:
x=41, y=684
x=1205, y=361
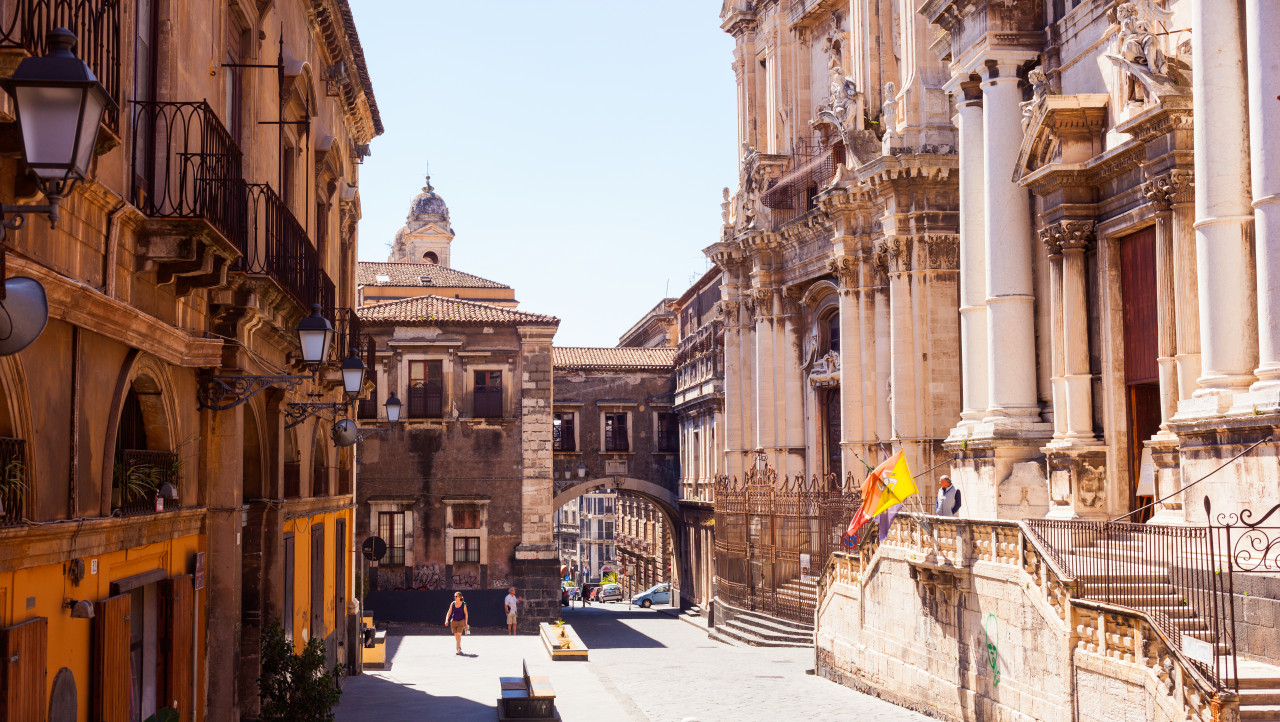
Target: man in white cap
x=948, y=498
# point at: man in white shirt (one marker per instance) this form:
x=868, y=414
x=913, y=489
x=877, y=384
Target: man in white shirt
x=511, y=602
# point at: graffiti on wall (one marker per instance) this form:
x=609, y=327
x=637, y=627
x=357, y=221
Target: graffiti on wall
x=428, y=576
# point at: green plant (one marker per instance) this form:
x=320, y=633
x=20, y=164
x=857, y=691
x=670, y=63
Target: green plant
x=136, y=482
x=296, y=687
x=13, y=486
x=168, y=714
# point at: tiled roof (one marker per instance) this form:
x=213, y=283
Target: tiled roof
x=411, y=274
x=436, y=310
x=576, y=357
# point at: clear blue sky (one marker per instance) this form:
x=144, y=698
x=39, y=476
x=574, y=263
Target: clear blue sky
x=581, y=145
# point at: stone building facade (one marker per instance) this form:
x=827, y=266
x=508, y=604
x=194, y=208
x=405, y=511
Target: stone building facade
x=164, y=278
x=614, y=416
x=460, y=490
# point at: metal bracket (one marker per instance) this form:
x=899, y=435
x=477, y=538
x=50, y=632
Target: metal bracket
x=296, y=413
x=222, y=392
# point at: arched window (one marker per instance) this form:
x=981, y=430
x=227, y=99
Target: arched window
x=430, y=257
x=832, y=329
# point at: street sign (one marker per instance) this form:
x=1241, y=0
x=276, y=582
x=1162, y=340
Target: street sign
x=374, y=549
x=199, y=571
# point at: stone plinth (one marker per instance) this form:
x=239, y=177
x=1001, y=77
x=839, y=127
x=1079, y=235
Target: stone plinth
x=555, y=643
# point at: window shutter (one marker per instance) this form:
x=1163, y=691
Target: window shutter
x=22, y=682
x=177, y=597
x=111, y=665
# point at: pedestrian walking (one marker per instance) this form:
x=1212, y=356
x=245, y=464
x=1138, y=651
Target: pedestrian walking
x=458, y=619
x=510, y=604
x=948, y=498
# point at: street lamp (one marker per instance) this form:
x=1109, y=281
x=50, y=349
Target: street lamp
x=59, y=104
x=315, y=336
x=352, y=374
x=582, y=470
x=393, y=408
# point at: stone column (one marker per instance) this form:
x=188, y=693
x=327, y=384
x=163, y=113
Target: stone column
x=1166, y=299
x=735, y=411
x=1224, y=216
x=1262, y=18
x=766, y=410
x=222, y=465
x=1011, y=333
x=1076, y=237
x=880, y=390
x=536, y=567
x=1051, y=236
x=973, y=266
x=791, y=425
x=852, y=348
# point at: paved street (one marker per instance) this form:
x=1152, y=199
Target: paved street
x=644, y=665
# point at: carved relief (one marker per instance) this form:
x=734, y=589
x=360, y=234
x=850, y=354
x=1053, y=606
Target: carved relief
x=1136, y=50
x=845, y=269
x=1040, y=88
x=889, y=120
x=1173, y=188
x=1070, y=235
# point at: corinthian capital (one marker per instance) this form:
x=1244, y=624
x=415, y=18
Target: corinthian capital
x=1173, y=188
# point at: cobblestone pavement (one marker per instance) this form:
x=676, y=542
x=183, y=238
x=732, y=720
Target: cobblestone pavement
x=644, y=666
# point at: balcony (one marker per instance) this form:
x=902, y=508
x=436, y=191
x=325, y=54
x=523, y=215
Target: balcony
x=795, y=193
x=188, y=178
x=13, y=481
x=278, y=247
x=96, y=24
x=137, y=479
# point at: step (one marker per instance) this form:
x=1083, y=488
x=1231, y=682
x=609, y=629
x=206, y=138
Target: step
x=1252, y=683
x=715, y=635
x=753, y=640
x=767, y=630
x=1260, y=713
x=768, y=619
x=1259, y=696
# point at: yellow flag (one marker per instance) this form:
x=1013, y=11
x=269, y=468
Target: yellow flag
x=898, y=485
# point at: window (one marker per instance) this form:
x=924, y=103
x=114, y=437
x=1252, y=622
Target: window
x=615, y=432
x=426, y=389
x=466, y=517
x=833, y=333
x=668, y=432
x=368, y=408
x=466, y=550
x=430, y=257
x=488, y=395
x=562, y=433
x=608, y=530
x=391, y=529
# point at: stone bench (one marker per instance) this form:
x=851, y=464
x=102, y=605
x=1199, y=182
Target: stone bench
x=527, y=698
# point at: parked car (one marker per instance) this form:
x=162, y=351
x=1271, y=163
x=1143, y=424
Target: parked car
x=610, y=593
x=657, y=594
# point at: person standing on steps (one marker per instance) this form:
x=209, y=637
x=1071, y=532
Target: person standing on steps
x=458, y=619
x=948, y=498
x=510, y=604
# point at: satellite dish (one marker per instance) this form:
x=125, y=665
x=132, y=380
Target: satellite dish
x=345, y=433
x=23, y=314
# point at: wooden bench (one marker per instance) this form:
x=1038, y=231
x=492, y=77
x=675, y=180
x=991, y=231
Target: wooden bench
x=527, y=698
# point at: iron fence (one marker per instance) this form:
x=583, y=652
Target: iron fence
x=764, y=526
x=138, y=476
x=185, y=165
x=278, y=247
x=96, y=24
x=13, y=481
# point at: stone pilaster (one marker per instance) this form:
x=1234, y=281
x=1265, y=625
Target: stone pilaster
x=536, y=565
x=973, y=266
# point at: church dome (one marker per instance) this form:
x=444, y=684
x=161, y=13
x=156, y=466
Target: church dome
x=428, y=206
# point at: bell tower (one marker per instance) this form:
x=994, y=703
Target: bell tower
x=427, y=234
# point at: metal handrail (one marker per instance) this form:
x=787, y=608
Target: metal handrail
x=1224, y=465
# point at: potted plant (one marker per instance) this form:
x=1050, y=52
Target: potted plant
x=133, y=482
x=13, y=488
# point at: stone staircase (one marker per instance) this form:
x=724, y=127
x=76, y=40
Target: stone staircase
x=1148, y=588
x=736, y=626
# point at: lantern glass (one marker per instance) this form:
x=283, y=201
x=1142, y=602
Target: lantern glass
x=393, y=409
x=315, y=336
x=352, y=374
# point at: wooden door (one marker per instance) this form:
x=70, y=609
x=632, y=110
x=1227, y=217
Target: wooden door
x=177, y=606
x=317, y=582
x=23, y=678
x=112, y=667
x=1141, y=346
x=289, y=587
x=340, y=586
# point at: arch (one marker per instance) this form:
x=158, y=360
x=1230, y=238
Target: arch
x=431, y=257
x=816, y=293
x=15, y=419
x=253, y=478
x=320, y=461
x=661, y=496
x=148, y=377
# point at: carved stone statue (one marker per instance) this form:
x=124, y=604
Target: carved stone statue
x=1039, y=89
x=724, y=207
x=1138, y=44
x=889, y=119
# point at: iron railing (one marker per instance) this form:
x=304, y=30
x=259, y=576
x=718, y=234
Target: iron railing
x=1243, y=546
x=813, y=167
x=426, y=400
x=1170, y=573
x=96, y=24
x=347, y=336
x=185, y=165
x=764, y=525
x=278, y=247
x=138, y=476
x=13, y=481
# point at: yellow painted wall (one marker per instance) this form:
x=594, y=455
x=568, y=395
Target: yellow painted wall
x=301, y=530
x=70, y=641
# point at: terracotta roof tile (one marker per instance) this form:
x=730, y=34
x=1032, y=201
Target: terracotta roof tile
x=436, y=310
x=411, y=274
x=576, y=357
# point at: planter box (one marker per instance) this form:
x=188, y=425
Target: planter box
x=550, y=639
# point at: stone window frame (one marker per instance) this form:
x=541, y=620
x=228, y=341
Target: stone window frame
x=577, y=430
x=469, y=388
x=447, y=368
x=450, y=532
x=404, y=506
x=630, y=410
x=658, y=411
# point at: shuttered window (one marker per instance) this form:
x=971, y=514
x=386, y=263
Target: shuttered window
x=111, y=662
x=177, y=607
x=22, y=679
x=488, y=395
x=615, y=432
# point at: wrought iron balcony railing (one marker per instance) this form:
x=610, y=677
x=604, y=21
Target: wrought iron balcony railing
x=186, y=165
x=138, y=476
x=278, y=247
x=96, y=24
x=13, y=481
